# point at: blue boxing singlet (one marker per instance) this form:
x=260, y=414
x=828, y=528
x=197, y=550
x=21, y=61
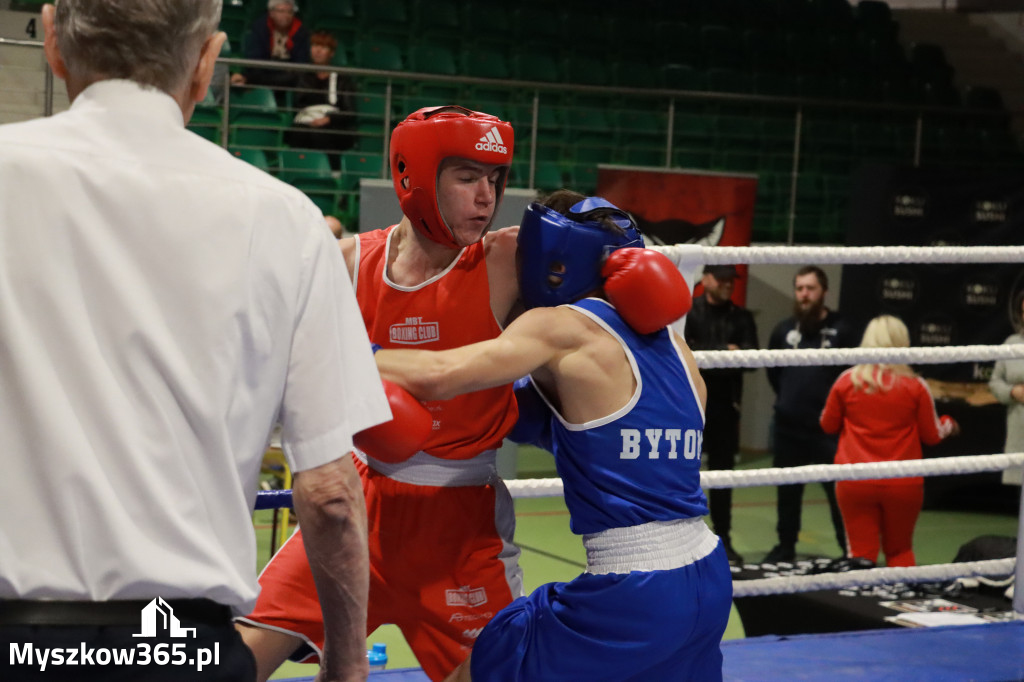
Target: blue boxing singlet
x=641, y=463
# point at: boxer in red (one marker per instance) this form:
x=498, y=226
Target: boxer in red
x=442, y=562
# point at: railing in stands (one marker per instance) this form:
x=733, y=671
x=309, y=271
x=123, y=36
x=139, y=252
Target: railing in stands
x=802, y=149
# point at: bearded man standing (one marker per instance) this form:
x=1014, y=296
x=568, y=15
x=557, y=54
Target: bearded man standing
x=800, y=394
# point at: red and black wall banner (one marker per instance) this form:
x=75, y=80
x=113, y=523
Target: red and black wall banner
x=679, y=207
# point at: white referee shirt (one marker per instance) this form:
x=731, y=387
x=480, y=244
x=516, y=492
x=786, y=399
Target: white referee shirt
x=162, y=304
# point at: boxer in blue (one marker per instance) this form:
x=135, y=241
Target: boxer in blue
x=624, y=418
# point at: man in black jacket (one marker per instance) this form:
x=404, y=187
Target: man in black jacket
x=716, y=323
x=800, y=394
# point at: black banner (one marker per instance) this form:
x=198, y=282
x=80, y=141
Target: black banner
x=941, y=304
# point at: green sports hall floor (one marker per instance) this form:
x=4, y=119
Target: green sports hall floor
x=550, y=552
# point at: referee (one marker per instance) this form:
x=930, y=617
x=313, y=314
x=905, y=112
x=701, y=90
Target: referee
x=162, y=306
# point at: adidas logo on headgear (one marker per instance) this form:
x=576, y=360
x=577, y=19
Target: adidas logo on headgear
x=492, y=142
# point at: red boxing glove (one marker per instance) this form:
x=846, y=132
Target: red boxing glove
x=645, y=288
x=403, y=436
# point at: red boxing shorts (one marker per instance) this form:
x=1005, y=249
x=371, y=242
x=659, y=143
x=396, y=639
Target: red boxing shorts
x=442, y=563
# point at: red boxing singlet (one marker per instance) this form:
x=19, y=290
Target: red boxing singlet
x=450, y=310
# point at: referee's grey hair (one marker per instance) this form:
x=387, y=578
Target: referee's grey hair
x=271, y=4
x=152, y=42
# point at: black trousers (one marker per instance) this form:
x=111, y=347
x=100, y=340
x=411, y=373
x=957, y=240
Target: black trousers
x=113, y=653
x=798, y=446
x=721, y=443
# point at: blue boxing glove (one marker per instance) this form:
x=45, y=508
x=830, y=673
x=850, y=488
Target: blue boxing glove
x=534, y=424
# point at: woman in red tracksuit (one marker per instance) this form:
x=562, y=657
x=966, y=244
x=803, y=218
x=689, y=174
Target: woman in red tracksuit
x=882, y=413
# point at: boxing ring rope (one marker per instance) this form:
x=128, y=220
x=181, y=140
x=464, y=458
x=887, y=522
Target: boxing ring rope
x=778, y=255
x=873, y=576
x=533, y=488
x=811, y=473
x=787, y=357
x=851, y=255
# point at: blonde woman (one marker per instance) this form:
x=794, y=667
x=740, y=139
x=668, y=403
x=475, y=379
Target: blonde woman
x=882, y=413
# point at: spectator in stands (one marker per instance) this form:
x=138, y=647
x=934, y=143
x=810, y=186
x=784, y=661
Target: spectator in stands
x=1007, y=385
x=278, y=36
x=716, y=323
x=882, y=413
x=325, y=105
x=800, y=394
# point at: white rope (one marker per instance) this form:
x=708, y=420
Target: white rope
x=714, y=359
x=875, y=576
x=857, y=255
x=815, y=473
x=938, y=466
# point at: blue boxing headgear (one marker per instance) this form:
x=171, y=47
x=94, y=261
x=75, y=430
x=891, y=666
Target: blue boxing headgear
x=560, y=257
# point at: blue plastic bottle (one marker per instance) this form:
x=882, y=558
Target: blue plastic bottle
x=378, y=657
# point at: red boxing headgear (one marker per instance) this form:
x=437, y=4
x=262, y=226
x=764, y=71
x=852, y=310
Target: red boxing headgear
x=429, y=136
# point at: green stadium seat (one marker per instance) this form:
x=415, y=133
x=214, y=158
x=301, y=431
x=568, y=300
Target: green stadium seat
x=535, y=66
x=548, y=176
x=585, y=69
x=536, y=24
x=303, y=165
x=332, y=10
x=255, y=157
x=736, y=160
x=256, y=127
x=583, y=178
x=698, y=159
x=491, y=21
x=591, y=149
x=358, y=165
x=369, y=137
x=432, y=58
x=485, y=62
x=695, y=131
x=643, y=153
x=207, y=121
x=438, y=21
x=378, y=53
x=519, y=174
x=384, y=17
x=256, y=130
x=250, y=100
x=634, y=71
x=310, y=171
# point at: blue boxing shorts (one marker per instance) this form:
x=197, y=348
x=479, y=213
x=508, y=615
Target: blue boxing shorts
x=642, y=626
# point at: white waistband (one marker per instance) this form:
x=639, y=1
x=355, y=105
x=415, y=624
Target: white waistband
x=424, y=469
x=654, y=546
